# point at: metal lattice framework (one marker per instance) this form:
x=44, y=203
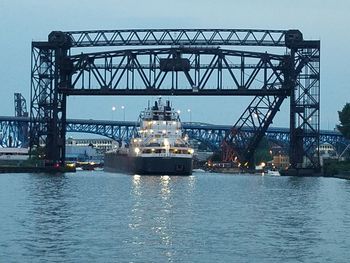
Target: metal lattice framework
x=305, y=107
x=21, y=132
x=20, y=105
x=119, y=131
x=14, y=131
x=196, y=62
x=171, y=37
x=176, y=71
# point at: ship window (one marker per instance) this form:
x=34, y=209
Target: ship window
x=180, y=145
x=154, y=144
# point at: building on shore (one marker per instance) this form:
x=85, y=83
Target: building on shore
x=14, y=154
x=88, y=149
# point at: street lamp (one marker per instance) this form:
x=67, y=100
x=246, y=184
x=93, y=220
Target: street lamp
x=189, y=111
x=123, y=108
x=113, y=110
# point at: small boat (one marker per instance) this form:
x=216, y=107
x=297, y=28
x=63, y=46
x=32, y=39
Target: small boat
x=198, y=170
x=273, y=172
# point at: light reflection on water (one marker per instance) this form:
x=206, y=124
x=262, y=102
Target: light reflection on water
x=106, y=217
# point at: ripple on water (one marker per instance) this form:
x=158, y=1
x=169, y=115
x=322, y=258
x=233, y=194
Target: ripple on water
x=106, y=217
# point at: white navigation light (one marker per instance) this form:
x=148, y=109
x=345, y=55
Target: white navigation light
x=137, y=150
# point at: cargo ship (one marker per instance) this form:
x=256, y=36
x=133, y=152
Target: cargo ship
x=159, y=148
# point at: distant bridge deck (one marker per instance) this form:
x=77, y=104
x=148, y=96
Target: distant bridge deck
x=211, y=134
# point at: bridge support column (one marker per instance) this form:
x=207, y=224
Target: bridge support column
x=304, y=103
x=48, y=105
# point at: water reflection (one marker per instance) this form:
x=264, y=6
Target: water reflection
x=156, y=218
x=136, y=179
x=50, y=215
x=165, y=187
x=296, y=219
x=90, y=217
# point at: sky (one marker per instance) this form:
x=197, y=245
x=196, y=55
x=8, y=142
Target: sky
x=22, y=22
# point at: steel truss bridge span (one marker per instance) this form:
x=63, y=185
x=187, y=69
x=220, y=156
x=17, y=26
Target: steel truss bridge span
x=209, y=134
x=196, y=62
x=170, y=37
x=177, y=71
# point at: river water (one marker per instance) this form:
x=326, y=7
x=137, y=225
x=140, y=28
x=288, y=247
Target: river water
x=93, y=216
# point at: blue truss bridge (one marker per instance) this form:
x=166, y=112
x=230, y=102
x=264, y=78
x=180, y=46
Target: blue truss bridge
x=14, y=132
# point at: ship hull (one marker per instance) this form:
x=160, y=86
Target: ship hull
x=148, y=165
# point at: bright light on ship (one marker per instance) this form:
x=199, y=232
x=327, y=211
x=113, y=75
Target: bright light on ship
x=191, y=151
x=137, y=150
x=166, y=142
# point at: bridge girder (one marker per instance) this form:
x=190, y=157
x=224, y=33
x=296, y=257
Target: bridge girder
x=197, y=71
x=171, y=37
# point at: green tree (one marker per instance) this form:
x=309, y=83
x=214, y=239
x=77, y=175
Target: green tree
x=262, y=153
x=344, y=118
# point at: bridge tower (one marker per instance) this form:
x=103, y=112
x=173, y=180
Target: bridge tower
x=48, y=105
x=21, y=127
